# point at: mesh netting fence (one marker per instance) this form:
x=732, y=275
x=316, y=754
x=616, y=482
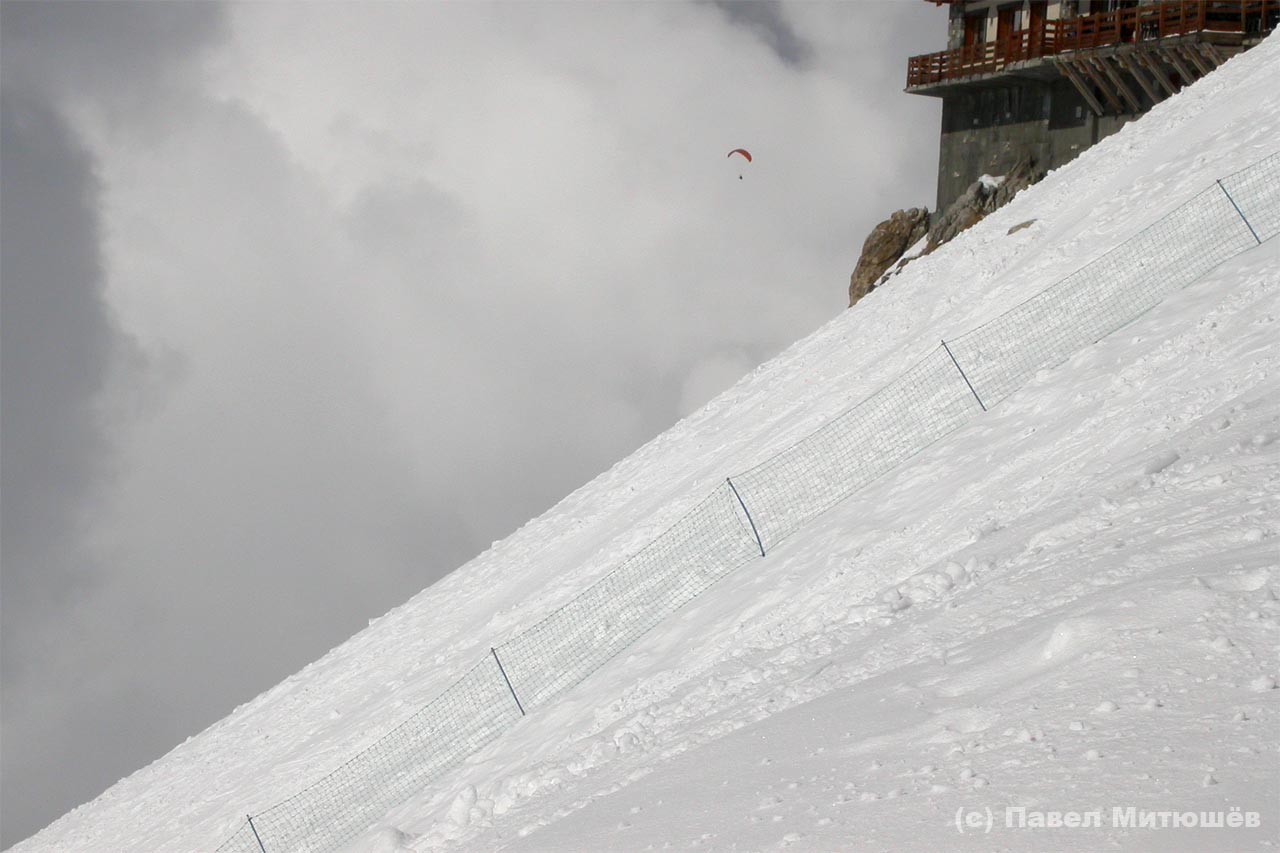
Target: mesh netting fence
x=1002, y=354
x=925, y=403
x=706, y=544
x=1256, y=190
x=470, y=713
x=750, y=513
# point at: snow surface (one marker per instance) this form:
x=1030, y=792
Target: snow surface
x=1068, y=605
x=991, y=182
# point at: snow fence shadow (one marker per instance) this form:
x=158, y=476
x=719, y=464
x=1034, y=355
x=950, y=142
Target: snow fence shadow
x=750, y=513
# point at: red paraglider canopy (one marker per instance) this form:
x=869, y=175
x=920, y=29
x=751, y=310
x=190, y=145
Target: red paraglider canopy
x=744, y=152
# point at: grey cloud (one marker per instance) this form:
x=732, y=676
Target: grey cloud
x=766, y=19
x=56, y=338
x=120, y=51
x=56, y=345
x=274, y=516
x=59, y=349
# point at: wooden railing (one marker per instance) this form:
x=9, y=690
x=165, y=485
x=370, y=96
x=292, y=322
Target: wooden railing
x=1139, y=23
x=979, y=58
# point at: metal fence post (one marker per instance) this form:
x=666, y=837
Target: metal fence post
x=1239, y=211
x=750, y=520
x=502, y=670
x=256, y=837
x=962, y=376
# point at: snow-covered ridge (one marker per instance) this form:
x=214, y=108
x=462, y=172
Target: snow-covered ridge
x=948, y=636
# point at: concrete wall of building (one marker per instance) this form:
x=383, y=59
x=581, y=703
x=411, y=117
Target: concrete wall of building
x=991, y=121
x=987, y=131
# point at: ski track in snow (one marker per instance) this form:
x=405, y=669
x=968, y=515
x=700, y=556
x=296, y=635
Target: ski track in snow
x=1070, y=603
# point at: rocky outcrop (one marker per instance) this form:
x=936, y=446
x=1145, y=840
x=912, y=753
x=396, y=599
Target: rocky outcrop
x=884, y=253
x=884, y=246
x=983, y=196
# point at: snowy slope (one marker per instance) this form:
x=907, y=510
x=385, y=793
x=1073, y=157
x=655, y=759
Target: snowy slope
x=1067, y=605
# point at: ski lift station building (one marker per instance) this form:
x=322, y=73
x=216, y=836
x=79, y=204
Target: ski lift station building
x=1045, y=79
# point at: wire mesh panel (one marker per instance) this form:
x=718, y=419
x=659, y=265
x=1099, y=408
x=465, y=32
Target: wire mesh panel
x=1001, y=355
x=241, y=841
x=706, y=544
x=916, y=409
x=472, y=712
x=1256, y=190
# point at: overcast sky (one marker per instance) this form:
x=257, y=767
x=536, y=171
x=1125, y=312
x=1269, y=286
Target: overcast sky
x=303, y=306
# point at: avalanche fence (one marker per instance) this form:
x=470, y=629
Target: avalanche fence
x=751, y=512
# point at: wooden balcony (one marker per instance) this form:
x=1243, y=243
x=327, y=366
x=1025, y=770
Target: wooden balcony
x=1243, y=19
x=986, y=58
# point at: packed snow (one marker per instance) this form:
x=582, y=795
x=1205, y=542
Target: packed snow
x=1057, y=628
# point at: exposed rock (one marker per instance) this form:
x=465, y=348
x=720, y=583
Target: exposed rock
x=1015, y=229
x=882, y=252
x=885, y=245
x=983, y=196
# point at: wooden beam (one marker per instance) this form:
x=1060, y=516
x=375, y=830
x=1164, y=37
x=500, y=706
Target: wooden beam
x=1085, y=92
x=1196, y=59
x=1214, y=53
x=1117, y=81
x=1152, y=64
x=1127, y=61
x=1103, y=85
x=1175, y=59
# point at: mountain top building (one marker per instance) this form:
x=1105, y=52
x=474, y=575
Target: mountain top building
x=1042, y=80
